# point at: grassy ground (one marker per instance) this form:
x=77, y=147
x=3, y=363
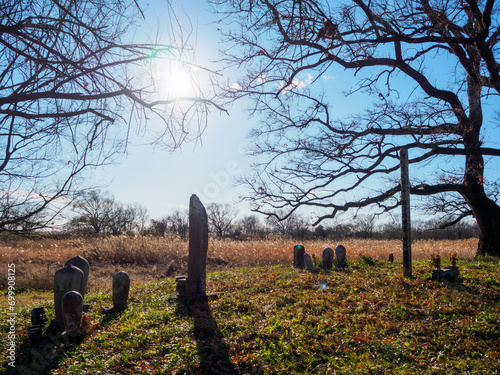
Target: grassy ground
x=366, y=318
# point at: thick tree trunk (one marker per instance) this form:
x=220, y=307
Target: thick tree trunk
x=486, y=211
x=487, y=214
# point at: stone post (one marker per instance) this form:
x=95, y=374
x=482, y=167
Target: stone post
x=65, y=279
x=72, y=310
x=81, y=262
x=195, y=283
x=121, y=288
x=298, y=256
x=405, y=210
x=327, y=258
x=340, y=254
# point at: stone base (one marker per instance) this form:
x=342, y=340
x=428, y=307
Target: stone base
x=447, y=274
x=187, y=288
x=35, y=334
x=56, y=326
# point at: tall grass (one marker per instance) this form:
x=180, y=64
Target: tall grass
x=148, y=258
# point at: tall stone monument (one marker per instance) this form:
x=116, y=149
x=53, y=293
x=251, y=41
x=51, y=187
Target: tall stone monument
x=194, y=285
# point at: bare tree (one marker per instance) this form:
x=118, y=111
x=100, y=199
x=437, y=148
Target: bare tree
x=100, y=212
x=221, y=218
x=428, y=70
x=94, y=209
x=293, y=225
x=250, y=224
x=71, y=85
x=179, y=222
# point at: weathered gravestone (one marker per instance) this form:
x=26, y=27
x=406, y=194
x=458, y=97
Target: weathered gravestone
x=72, y=310
x=340, y=254
x=121, y=288
x=391, y=257
x=327, y=258
x=298, y=256
x=195, y=283
x=65, y=279
x=81, y=262
x=308, y=263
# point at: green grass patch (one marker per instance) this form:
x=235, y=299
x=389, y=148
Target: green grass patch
x=366, y=318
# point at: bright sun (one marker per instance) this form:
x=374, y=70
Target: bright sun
x=174, y=80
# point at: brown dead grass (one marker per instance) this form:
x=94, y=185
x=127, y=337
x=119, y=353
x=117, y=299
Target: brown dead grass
x=148, y=258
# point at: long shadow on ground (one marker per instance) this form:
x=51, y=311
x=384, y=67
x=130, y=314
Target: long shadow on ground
x=213, y=352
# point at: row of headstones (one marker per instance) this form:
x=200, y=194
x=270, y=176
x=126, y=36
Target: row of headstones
x=70, y=284
x=303, y=260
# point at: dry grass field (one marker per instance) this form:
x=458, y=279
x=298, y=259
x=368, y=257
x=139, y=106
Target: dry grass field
x=148, y=258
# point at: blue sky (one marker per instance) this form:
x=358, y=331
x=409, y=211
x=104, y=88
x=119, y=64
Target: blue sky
x=163, y=181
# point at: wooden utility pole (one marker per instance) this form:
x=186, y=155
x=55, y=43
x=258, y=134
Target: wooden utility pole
x=405, y=210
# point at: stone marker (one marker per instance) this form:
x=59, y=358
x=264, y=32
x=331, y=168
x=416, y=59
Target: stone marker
x=327, y=258
x=38, y=316
x=391, y=258
x=195, y=283
x=340, y=254
x=298, y=256
x=121, y=288
x=308, y=263
x=65, y=279
x=72, y=310
x=81, y=262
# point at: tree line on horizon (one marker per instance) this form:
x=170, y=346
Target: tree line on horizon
x=98, y=213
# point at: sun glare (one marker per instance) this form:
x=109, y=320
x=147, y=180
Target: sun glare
x=174, y=80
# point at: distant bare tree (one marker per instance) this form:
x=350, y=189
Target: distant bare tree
x=250, y=224
x=100, y=212
x=179, y=222
x=293, y=225
x=71, y=85
x=221, y=218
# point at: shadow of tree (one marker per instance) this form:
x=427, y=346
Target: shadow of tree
x=213, y=352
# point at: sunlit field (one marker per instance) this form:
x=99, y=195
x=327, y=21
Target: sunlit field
x=148, y=258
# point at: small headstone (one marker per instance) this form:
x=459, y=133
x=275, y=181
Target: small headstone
x=327, y=258
x=65, y=279
x=81, y=263
x=195, y=283
x=298, y=256
x=308, y=263
x=72, y=310
x=340, y=254
x=391, y=258
x=38, y=316
x=121, y=288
